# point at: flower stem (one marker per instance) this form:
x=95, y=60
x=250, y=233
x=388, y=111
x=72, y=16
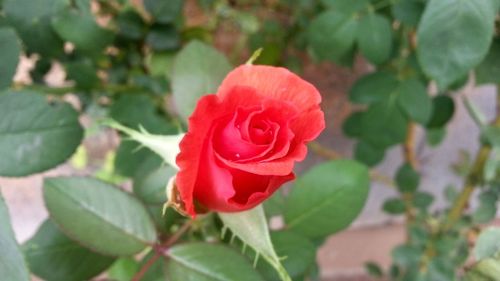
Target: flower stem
x=161, y=249
x=472, y=180
x=324, y=151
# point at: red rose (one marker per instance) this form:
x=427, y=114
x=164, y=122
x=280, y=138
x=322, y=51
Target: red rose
x=242, y=142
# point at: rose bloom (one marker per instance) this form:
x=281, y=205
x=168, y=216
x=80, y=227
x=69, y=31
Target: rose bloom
x=242, y=143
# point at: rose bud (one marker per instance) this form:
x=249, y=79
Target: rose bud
x=242, y=143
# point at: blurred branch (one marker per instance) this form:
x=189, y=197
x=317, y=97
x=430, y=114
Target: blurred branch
x=324, y=151
x=410, y=158
x=409, y=146
x=473, y=179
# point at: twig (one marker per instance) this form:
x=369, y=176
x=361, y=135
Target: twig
x=161, y=249
x=323, y=151
x=409, y=147
x=472, y=180
x=410, y=158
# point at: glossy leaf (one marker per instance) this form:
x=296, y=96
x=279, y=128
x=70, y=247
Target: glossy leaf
x=327, y=198
x=208, y=262
x=374, y=37
x=445, y=49
x=198, y=70
x=12, y=263
x=54, y=257
x=9, y=56
x=110, y=221
x=35, y=135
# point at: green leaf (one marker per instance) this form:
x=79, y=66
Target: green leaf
x=327, y=198
x=373, y=87
x=151, y=187
x=136, y=111
x=300, y=254
x=368, y=154
x=489, y=69
x=488, y=243
x=487, y=207
x=12, y=264
x=274, y=205
x=130, y=25
x=331, y=35
x=11, y=50
x=130, y=157
x=485, y=270
x=374, y=270
x=81, y=30
x=352, y=125
x=110, y=221
x=35, y=135
x=83, y=72
x=383, y=124
x=198, y=70
x=346, y=6
x=414, y=100
x=52, y=256
x=406, y=256
x=408, y=11
x=374, y=36
x=407, y=178
x=157, y=272
x=208, y=262
x=123, y=269
x=394, y=206
x=435, y=136
x=251, y=227
x=163, y=38
x=31, y=19
x=445, y=49
x=422, y=200
x=443, y=108
x=490, y=135
x=164, y=11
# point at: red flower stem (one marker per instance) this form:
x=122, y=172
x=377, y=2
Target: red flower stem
x=160, y=250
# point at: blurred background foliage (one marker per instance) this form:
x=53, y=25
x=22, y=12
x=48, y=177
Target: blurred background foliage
x=145, y=63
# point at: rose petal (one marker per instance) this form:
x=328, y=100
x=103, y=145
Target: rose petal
x=272, y=82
